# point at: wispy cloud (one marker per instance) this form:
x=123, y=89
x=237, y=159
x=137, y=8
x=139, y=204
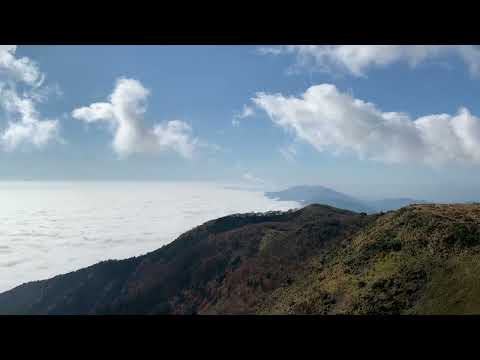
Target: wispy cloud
x=289, y=152
x=358, y=59
x=330, y=120
x=270, y=50
x=125, y=111
x=249, y=177
x=247, y=111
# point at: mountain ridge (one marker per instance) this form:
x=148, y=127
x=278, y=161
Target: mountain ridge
x=421, y=259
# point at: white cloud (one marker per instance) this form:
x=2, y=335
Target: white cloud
x=247, y=111
x=23, y=69
x=334, y=121
x=125, y=110
x=24, y=124
x=94, y=112
x=357, y=59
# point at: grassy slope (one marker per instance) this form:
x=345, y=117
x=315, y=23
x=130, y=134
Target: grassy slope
x=422, y=259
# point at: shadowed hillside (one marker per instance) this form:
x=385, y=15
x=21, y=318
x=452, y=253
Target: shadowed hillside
x=421, y=259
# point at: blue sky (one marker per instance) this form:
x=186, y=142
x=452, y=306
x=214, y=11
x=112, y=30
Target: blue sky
x=196, y=95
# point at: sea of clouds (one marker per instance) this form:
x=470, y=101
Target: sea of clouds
x=50, y=228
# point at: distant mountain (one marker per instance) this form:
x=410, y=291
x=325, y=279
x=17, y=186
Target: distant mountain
x=421, y=259
x=307, y=195
x=321, y=195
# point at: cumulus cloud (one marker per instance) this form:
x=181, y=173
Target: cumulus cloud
x=28, y=128
x=22, y=69
x=334, y=121
x=23, y=123
x=125, y=111
x=94, y=112
x=357, y=59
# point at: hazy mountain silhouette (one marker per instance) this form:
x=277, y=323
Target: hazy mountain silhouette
x=322, y=195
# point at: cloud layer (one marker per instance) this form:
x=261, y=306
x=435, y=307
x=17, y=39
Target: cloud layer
x=53, y=228
x=125, y=111
x=357, y=59
x=23, y=123
x=334, y=121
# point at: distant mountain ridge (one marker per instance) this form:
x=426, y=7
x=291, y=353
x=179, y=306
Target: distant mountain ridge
x=317, y=194
x=320, y=195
